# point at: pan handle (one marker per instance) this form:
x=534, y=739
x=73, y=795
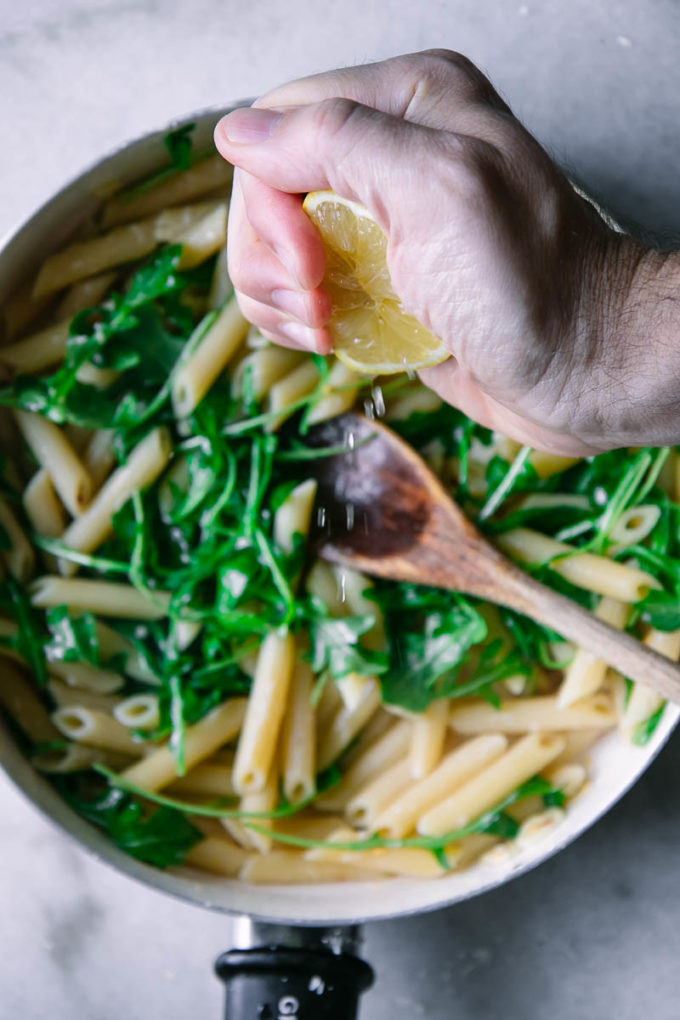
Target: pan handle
x=293, y=973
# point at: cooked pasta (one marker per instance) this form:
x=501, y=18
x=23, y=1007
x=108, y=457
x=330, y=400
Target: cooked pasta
x=294, y=721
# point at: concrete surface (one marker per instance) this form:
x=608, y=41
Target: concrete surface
x=591, y=934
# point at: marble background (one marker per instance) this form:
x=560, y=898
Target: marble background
x=591, y=934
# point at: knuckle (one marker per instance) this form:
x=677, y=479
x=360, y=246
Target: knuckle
x=334, y=114
x=442, y=68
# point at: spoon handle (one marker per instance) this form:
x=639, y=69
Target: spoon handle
x=517, y=590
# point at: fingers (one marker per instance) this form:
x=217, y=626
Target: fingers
x=357, y=151
x=277, y=219
x=269, y=293
x=282, y=329
x=421, y=87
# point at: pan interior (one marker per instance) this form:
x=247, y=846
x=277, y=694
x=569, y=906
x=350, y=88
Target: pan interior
x=615, y=765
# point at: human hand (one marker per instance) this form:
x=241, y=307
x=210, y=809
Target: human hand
x=489, y=246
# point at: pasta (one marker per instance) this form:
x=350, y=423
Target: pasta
x=294, y=721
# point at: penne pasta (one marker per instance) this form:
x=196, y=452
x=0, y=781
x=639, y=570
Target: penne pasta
x=285, y=867
x=65, y=696
x=96, y=728
x=528, y=756
x=84, y=294
x=524, y=714
x=207, y=175
x=99, y=455
x=219, y=856
x=142, y=467
x=56, y=455
x=428, y=737
x=585, y=570
x=261, y=802
x=285, y=393
x=372, y=799
x=77, y=758
x=299, y=736
x=455, y=769
x=644, y=702
x=204, y=238
x=221, y=287
x=339, y=393
x=104, y=598
x=386, y=751
x=346, y=724
x=209, y=779
x=43, y=509
x=294, y=515
x=21, y=702
x=264, y=715
x=85, y=676
x=202, y=739
x=353, y=586
x=410, y=861
x=38, y=351
x=19, y=558
x=260, y=370
x=139, y=712
x=586, y=673
x=194, y=377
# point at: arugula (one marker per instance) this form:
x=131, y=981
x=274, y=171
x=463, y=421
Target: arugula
x=161, y=837
x=31, y=637
x=428, y=647
x=73, y=639
x=661, y=609
x=336, y=648
x=179, y=145
x=645, y=730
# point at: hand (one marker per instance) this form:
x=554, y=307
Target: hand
x=489, y=246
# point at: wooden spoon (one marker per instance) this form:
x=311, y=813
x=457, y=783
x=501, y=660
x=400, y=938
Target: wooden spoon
x=382, y=511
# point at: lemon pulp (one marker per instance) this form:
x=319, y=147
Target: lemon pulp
x=371, y=332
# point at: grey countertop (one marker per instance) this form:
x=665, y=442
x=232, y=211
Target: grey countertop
x=591, y=934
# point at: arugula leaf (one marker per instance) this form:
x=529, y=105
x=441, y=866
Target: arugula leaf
x=179, y=144
x=504, y=479
x=73, y=639
x=161, y=837
x=644, y=731
x=336, y=647
x=661, y=609
x=31, y=636
x=434, y=650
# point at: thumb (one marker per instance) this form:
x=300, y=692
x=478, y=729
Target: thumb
x=337, y=143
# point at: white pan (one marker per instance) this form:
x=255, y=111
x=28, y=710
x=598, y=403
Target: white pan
x=298, y=981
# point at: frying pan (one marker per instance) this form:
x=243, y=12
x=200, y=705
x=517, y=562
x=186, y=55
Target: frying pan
x=296, y=945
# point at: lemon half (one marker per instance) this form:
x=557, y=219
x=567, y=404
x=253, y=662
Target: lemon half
x=372, y=333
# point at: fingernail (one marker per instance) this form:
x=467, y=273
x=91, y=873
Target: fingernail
x=299, y=334
x=246, y=126
x=290, y=301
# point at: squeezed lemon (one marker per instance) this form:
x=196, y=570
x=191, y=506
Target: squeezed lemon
x=372, y=333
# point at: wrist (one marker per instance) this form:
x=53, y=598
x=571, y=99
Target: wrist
x=634, y=338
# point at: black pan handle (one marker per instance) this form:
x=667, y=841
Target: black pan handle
x=293, y=973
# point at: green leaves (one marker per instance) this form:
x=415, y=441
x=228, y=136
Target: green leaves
x=661, y=609
x=336, y=648
x=73, y=639
x=161, y=837
x=179, y=145
x=426, y=651
x=31, y=637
